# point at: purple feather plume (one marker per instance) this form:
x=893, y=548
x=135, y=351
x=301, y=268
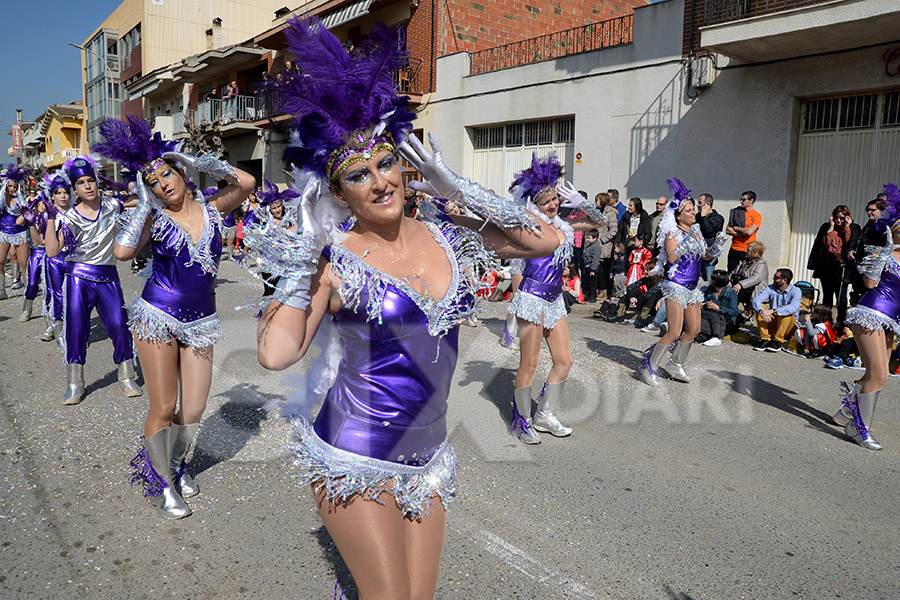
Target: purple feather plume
x=891, y=212
x=337, y=93
x=16, y=173
x=270, y=194
x=679, y=191
x=112, y=185
x=131, y=143
x=207, y=192
x=542, y=173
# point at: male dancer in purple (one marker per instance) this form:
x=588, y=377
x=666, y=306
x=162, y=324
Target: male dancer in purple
x=91, y=278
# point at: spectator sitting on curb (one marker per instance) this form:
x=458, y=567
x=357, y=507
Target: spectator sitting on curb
x=778, y=319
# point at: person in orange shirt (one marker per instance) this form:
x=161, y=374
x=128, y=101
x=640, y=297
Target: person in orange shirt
x=743, y=223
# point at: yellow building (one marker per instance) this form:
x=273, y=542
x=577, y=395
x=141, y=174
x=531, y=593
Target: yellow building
x=62, y=128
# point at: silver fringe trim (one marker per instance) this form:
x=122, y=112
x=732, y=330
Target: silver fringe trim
x=200, y=252
x=470, y=264
x=131, y=225
x=228, y=232
x=280, y=252
x=718, y=246
x=14, y=239
x=537, y=310
x=502, y=212
x=680, y=294
x=149, y=323
x=516, y=265
x=878, y=259
x=343, y=474
x=871, y=319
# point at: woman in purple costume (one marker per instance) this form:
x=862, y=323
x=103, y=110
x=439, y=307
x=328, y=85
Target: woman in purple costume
x=538, y=303
x=12, y=228
x=682, y=248
x=383, y=294
x=874, y=320
x=174, y=322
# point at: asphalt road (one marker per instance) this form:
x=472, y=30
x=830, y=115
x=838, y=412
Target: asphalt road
x=736, y=486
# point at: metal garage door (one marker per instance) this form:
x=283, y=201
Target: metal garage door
x=503, y=150
x=849, y=148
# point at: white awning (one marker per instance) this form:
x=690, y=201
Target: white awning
x=348, y=13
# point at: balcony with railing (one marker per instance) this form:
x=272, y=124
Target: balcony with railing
x=762, y=30
x=587, y=38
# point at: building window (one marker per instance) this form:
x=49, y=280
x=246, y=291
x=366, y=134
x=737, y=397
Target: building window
x=529, y=133
x=890, y=114
x=859, y=111
x=489, y=137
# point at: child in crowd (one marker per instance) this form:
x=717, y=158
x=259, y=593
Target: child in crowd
x=839, y=352
x=572, y=286
x=591, y=258
x=637, y=261
x=239, y=225
x=618, y=268
x=816, y=331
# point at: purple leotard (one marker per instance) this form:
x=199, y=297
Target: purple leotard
x=539, y=297
x=179, y=298
x=681, y=277
x=880, y=306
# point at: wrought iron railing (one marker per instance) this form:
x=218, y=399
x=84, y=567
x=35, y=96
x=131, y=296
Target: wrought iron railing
x=269, y=104
x=596, y=36
x=407, y=79
x=724, y=11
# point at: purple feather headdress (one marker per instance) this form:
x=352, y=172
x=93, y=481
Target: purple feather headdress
x=538, y=179
x=345, y=106
x=680, y=194
x=271, y=194
x=16, y=173
x=207, y=192
x=890, y=217
x=132, y=144
x=112, y=185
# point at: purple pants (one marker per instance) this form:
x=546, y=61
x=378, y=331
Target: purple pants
x=53, y=298
x=88, y=286
x=35, y=266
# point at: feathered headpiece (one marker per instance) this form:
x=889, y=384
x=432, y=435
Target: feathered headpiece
x=132, y=144
x=346, y=108
x=16, y=173
x=539, y=179
x=271, y=194
x=680, y=194
x=80, y=166
x=890, y=216
x=112, y=185
x=55, y=180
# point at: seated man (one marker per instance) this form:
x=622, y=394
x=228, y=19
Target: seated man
x=778, y=319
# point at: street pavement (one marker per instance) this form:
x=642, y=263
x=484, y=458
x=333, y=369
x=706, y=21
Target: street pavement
x=736, y=486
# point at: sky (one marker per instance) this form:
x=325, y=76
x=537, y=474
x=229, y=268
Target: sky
x=41, y=68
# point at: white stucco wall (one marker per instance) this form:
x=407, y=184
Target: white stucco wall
x=636, y=127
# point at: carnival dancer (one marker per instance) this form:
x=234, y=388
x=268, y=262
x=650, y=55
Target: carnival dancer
x=538, y=304
x=875, y=320
x=385, y=293
x=88, y=231
x=510, y=335
x=682, y=248
x=59, y=188
x=272, y=207
x=174, y=321
x=13, y=231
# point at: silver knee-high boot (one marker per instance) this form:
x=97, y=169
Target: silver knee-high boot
x=675, y=366
x=863, y=409
x=127, y=384
x=3, y=294
x=510, y=331
x=545, y=419
x=182, y=435
x=17, y=277
x=27, y=307
x=151, y=470
x=74, y=384
x=650, y=364
x=843, y=415
x=521, y=425
x=48, y=334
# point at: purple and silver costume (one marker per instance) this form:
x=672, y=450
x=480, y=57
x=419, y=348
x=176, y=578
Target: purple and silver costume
x=539, y=297
x=10, y=233
x=54, y=275
x=92, y=280
x=880, y=306
x=384, y=416
x=179, y=298
x=681, y=277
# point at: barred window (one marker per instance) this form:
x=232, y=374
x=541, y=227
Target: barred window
x=565, y=130
x=859, y=112
x=528, y=133
x=538, y=132
x=514, y=135
x=890, y=113
x=847, y=112
x=489, y=137
x=821, y=115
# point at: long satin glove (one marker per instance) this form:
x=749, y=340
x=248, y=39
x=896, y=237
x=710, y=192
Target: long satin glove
x=29, y=216
x=691, y=243
x=573, y=199
x=718, y=246
x=291, y=255
x=441, y=182
x=210, y=164
x=875, y=260
x=131, y=222
x=50, y=209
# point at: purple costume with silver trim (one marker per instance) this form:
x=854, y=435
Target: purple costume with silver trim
x=680, y=281
x=10, y=233
x=539, y=297
x=880, y=306
x=179, y=298
x=93, y=280
x=54, y=275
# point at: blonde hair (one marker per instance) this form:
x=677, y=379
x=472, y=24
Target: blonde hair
x=755, y=249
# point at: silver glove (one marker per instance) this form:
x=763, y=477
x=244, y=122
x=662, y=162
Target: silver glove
x=131, y=222
x=210, y=164
x=573, y=199
x=691, y=243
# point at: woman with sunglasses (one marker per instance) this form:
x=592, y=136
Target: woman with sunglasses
x=829, y=260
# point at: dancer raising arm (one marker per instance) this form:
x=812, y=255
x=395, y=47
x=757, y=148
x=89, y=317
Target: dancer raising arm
x=874, y=321
x=538, y=304
x=174, y=322
x=12, y=228
x=384, y=294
